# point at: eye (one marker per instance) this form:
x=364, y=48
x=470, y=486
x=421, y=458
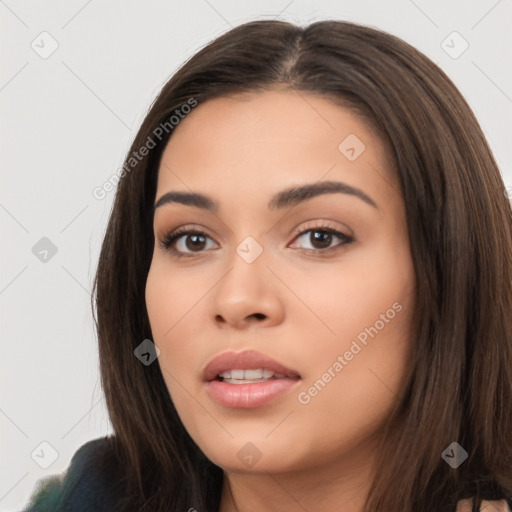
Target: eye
x=321, y=238
x=189, y=241
x=193, y=239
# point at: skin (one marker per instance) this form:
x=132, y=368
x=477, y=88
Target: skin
x=487, y=506
x=293, y=304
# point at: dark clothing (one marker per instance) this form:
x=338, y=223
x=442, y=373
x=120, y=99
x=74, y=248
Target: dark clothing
x=89, y=484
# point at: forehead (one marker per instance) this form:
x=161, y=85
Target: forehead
x=258, y=142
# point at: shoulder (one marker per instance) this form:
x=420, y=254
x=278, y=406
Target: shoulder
x=89, y=483
x=466, y=505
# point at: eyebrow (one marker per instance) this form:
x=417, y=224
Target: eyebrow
x=288, y=197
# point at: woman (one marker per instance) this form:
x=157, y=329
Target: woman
x=366, y=369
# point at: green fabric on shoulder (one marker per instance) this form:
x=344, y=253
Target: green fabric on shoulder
x=48, y=495
x=90, y=483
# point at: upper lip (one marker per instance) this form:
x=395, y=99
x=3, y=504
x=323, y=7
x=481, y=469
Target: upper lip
x=246, y=360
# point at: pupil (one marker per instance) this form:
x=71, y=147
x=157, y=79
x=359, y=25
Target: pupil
x=195, y=238
x=324, y=238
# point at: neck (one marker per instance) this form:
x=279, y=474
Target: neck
x=315, y=488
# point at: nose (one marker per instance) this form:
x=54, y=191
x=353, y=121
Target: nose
x=247, y=295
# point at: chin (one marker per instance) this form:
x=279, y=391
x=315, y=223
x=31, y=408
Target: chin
x=256, y=456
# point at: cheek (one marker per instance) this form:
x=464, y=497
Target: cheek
x=355, y=380
x=172, y=297
x=361, y=365
x=166, y=306
x=360, y=293
x=174, y=301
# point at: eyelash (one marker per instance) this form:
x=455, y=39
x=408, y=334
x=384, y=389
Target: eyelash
x=173, y=236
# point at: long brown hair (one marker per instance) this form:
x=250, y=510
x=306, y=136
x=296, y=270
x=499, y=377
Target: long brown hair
x=460, y=228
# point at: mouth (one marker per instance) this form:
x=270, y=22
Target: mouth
x=244, y=367
x=247, y=379
x=250, y=376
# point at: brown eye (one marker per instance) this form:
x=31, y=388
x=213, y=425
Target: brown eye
x=321, y=239
x=187, y=242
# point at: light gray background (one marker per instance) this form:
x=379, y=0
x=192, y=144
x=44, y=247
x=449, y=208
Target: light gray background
x=68, y=121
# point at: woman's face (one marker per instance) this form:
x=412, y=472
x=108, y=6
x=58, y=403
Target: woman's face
x=321, y=283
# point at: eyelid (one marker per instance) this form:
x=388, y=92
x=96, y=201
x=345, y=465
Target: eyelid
x=322, y=224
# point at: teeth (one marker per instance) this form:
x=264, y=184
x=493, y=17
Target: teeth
x=237, y=374
x=253, y=375
x=250, y=374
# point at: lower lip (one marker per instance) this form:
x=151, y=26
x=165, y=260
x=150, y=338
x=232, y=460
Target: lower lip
x=248, y=396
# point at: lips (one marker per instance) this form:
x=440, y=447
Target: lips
x=250, y=390
x=246, y=360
